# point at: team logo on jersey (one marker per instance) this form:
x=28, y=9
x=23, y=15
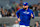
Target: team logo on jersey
x=26, y=12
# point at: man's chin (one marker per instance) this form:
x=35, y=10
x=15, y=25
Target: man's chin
x=24, y=8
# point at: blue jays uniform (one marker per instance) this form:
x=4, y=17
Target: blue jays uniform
x=25, y=16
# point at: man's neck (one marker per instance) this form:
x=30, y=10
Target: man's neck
x=27, y=9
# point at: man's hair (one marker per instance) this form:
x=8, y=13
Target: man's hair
x=6, y=9
x=37, y=21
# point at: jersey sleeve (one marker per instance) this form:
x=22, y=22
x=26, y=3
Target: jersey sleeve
x=17, y=13
x=33, y=15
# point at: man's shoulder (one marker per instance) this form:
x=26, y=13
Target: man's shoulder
x=20, y=9
x=30, y=10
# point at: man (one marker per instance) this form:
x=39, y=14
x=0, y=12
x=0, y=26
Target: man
x=24, y=15
x=5, y=12
x=16, y=24
x=37, y=24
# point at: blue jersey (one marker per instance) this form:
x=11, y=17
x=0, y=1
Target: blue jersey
x=25, y=16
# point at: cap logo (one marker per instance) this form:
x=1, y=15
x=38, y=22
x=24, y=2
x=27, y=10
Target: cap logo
x=24, y=3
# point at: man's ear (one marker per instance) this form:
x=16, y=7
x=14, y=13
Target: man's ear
x=27, y=5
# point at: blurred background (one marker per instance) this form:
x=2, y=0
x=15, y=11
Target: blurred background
x=8, y=9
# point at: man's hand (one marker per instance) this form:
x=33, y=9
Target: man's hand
x=31, y=15
x=19, y=19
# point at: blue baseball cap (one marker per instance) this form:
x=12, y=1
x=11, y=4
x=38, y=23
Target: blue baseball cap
x=25, y=3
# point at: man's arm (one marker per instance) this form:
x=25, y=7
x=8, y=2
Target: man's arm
x=17, y=14
x=32, y=15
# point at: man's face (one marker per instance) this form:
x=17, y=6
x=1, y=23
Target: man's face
x=37, y=24
x=25, y=7
x=5, y=10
